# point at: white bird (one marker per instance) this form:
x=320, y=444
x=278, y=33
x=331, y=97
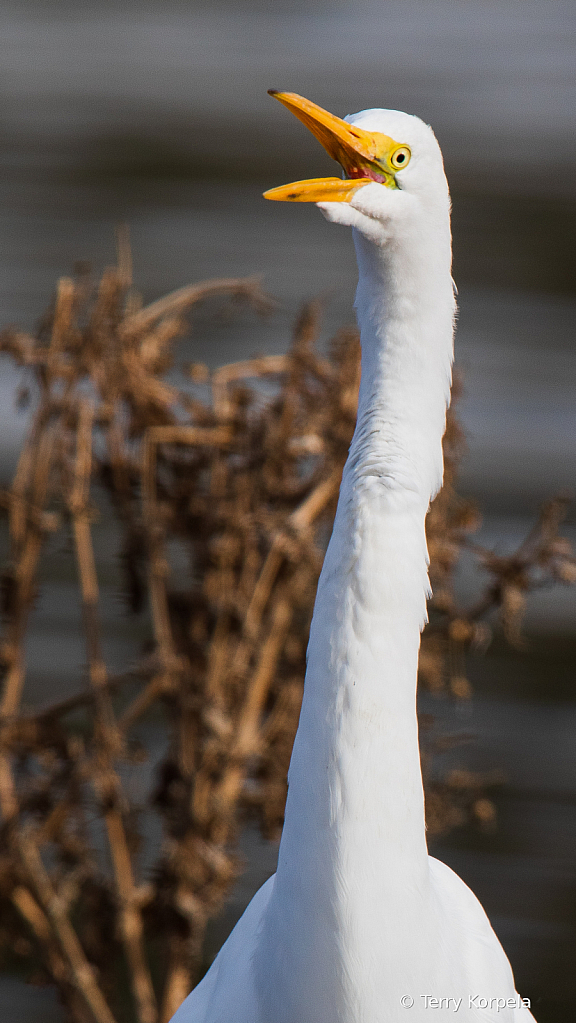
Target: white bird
x=359, y=924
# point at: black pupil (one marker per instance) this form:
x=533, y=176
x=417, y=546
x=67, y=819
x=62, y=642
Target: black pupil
x=400, y=158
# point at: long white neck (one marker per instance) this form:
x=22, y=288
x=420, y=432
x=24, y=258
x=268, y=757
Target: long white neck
x=353, y=850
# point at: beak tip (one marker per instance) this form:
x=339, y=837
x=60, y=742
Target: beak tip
x=273, y=92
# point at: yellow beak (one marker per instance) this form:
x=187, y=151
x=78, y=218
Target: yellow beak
x=363, y=155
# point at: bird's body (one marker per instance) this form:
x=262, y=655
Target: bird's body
x=359, y=924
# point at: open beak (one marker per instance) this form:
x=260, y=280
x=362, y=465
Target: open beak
x=363, y=155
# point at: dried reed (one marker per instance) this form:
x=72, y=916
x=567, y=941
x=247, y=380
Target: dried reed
x=242, y=466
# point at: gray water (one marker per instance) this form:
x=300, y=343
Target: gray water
x=157, y=114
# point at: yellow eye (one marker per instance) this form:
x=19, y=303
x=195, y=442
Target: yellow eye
x=400, y=157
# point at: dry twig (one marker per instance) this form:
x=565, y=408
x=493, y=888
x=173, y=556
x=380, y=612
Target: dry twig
x=246, y=482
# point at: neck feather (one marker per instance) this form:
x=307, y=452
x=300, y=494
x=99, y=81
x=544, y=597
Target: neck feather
x=354, y=835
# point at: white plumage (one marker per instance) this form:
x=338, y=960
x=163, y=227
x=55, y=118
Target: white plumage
x=359, y=920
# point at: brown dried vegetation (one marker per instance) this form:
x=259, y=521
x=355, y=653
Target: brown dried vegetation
x=242, y=468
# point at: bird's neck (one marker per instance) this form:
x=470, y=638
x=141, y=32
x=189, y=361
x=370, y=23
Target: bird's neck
x=354, y=834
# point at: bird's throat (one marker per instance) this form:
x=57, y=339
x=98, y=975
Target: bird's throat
x=354, y=834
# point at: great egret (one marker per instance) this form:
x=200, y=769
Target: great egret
x=359, y=924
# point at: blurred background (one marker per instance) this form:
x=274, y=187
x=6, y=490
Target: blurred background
x=156, y=113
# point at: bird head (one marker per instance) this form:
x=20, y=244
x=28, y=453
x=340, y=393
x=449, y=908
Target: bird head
x=387, y=150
